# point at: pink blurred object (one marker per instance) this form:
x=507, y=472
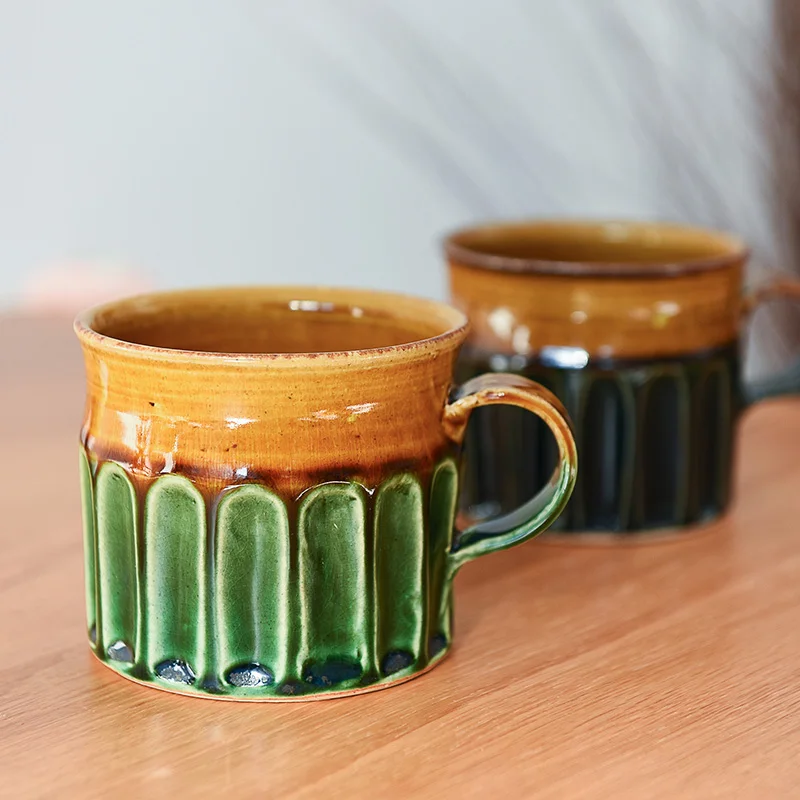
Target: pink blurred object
x=72, y=287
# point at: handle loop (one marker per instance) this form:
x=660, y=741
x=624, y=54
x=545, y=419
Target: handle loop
x=541, y=511
x=787, y=381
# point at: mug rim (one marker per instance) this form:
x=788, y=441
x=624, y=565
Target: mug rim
x=733, y=249
x=454, y=321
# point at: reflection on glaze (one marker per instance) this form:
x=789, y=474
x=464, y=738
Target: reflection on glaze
x=238, y=422
x=322, y=415
x=361, y=408
x=571, y=357
x=310, y=305
x=350, y=413
x=501, y=321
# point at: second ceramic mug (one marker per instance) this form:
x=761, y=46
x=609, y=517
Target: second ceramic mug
x=269, y=487
x=636, y=327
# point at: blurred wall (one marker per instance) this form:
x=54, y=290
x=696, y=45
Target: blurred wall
x=206, y=142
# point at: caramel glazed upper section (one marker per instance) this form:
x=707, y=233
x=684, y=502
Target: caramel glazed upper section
x=177, y=383
x=615, y=290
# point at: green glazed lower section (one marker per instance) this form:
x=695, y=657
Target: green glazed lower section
x=246, y=596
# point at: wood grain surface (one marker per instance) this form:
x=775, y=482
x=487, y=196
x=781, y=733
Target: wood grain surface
x=665, y=670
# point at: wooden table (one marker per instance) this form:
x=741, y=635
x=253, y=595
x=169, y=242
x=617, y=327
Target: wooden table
x=665, y=670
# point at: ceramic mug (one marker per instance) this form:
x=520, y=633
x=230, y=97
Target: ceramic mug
x=637, y=328
x=269, y=483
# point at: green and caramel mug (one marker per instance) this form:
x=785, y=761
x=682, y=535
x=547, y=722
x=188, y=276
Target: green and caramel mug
x=270, y=481
x=637, y=328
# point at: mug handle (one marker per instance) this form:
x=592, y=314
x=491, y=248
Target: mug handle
x=787, y=381
x=541, y=511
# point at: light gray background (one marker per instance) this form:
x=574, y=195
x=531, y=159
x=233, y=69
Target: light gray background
x=208, y=142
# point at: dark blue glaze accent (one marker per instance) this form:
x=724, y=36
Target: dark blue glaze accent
x=331, y=672
x=655, y=440
x=395, y=661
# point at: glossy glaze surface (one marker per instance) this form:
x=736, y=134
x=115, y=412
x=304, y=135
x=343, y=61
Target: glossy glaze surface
x=615, y=293
x=278, y=525
x=289, y=420
x=636, y=327
x=342, y=589
x=655, y=436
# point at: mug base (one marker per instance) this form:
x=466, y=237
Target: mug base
x=638, y=537
x=273, y=696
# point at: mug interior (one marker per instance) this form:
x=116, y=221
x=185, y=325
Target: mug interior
x=277, y=321
x=593, y=248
